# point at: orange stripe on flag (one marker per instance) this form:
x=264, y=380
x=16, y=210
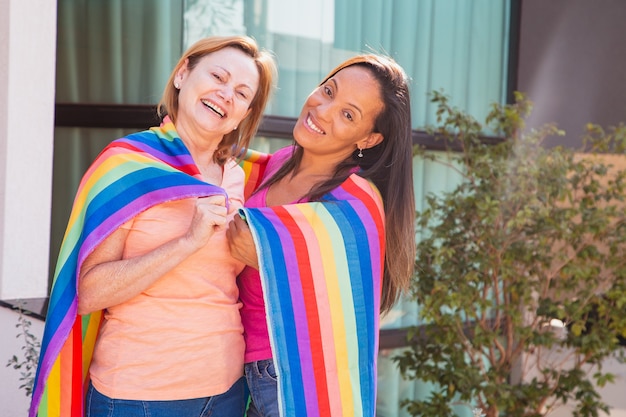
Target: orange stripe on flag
x=65, y=389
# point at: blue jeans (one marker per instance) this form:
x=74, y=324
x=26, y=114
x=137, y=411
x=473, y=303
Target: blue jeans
x=263, y=386
x=229, y=404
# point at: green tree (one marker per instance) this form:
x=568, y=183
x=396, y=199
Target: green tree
x=529, y=235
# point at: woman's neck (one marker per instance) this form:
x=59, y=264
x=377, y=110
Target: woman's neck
x=293, y=187
x=202, y=148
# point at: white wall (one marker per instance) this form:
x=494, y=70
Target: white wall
x=612, y=394
x=27, y=80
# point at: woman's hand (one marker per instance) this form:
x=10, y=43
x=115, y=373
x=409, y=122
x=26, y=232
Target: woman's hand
x=210, y=215
x=241, y=243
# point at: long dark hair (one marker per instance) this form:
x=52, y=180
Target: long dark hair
x=388, y=165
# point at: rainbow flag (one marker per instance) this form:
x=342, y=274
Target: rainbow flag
x=253, y=164
x=321, y=266
x=129, y=176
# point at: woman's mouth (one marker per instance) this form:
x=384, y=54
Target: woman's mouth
x=309, y=122
x=217, y=109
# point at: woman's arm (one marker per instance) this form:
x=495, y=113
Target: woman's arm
x=105, y=279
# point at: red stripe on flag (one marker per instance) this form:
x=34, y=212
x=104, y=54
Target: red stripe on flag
x=310, y=300
x=77, y=371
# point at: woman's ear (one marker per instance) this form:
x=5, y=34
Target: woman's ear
x=182, y=70
x=370, y=141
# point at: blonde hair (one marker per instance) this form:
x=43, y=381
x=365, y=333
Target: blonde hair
x=236, y=141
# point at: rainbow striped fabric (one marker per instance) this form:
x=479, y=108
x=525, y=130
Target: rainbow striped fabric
x=321, y=266
x=254, y=164
x=129, y=176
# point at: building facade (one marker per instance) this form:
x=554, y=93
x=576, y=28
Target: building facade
x=77, y=74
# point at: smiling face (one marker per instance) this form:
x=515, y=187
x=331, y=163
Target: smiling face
x=215, y=95
x=339, y=116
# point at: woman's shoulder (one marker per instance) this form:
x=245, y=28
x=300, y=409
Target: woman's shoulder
x=362, y=182
x=232, y=166
x=233, y=177
x=281, y=155
x=278, y=159
x=284, y=152
x=367, y=186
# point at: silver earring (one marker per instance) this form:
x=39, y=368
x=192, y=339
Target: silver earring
x=360, y=154
x=177, y=85
x=235, y=128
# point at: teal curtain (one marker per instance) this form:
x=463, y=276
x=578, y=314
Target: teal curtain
x=457, y=46
x=108, y=51
x=116, y=51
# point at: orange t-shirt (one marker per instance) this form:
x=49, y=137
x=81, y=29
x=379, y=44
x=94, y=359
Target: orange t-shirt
x=181, y=338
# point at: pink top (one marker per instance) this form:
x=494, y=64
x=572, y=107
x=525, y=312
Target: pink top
x=249, y=281
x=182, y=338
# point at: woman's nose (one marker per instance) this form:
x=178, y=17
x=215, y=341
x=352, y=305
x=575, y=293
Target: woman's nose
x=324, y=110
x=226, y=92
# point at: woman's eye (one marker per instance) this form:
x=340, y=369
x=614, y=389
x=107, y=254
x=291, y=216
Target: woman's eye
x=328, y=91
x=348, y=115
x=242, y=95
x=217, y=76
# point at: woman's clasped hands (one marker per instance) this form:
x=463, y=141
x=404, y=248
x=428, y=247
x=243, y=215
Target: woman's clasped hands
x=210, y=215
